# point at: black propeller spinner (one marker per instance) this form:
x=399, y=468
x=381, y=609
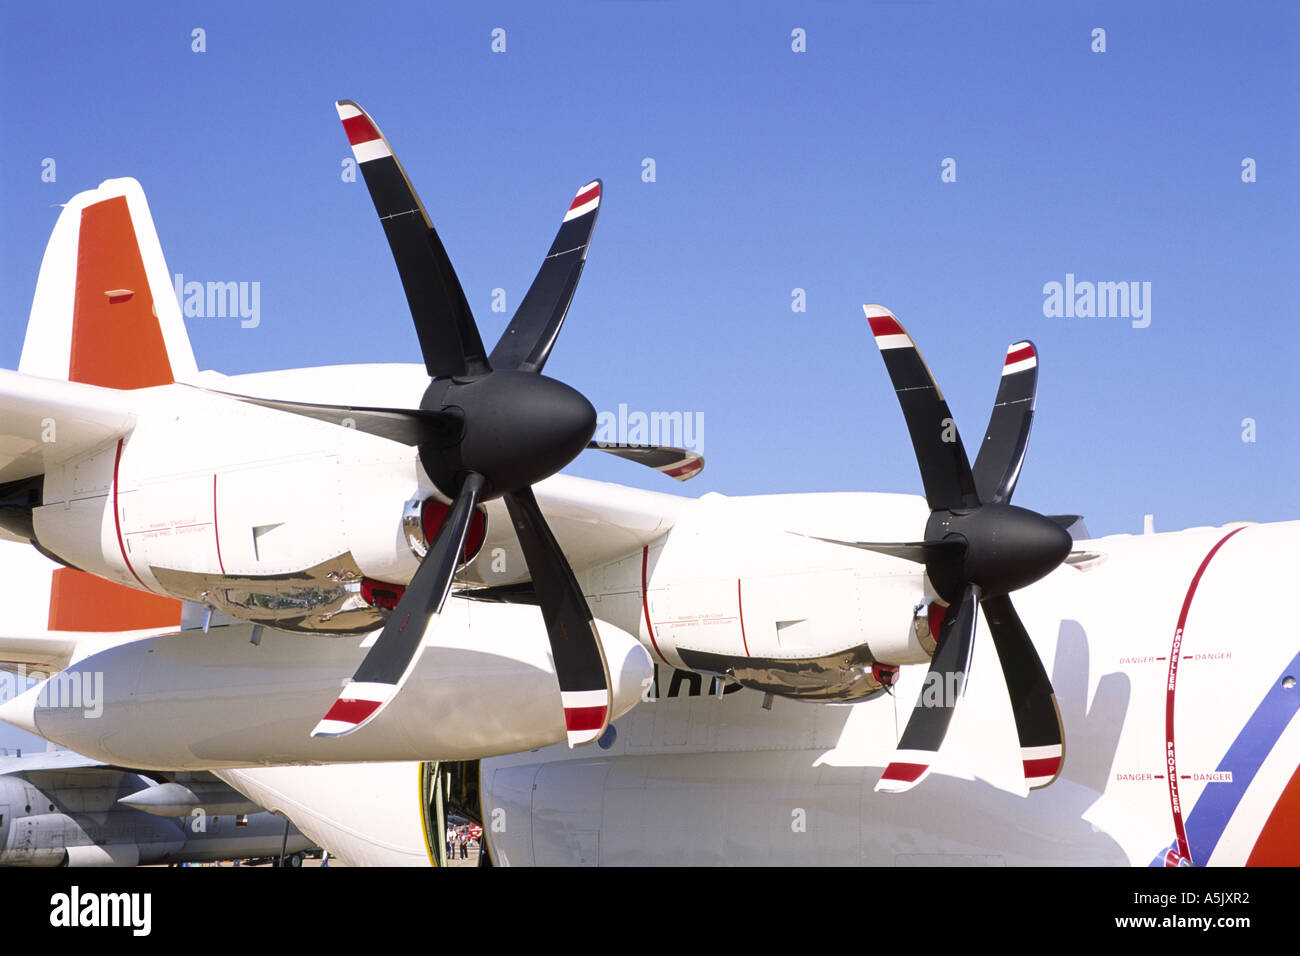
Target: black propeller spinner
x=487, y=426
x=977, y=548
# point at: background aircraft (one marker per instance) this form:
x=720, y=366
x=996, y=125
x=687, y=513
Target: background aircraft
x=61, y=809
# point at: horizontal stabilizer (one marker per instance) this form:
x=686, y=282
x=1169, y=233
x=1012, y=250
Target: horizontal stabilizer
x=44, y=422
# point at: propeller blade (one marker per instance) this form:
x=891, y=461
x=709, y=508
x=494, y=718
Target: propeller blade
x=407, y=426
x=919, y=551
x=944, y=685
x=945, y=469
x=393, y=656
x=674, y=462
x=527, y=341
x=579, y=658
x=449, y=339
x=997, y=465
x=1073, y=525
x=1033, y=703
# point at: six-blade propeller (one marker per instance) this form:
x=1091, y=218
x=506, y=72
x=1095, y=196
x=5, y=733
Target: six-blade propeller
x=977, y=548
x=487, y=426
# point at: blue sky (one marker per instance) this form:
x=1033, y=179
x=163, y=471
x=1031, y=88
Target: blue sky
x=775, y=170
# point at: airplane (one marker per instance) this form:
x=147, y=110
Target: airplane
x=812, y=598
x=121, y=459
x=1174, y=682
x=1181, y=747
x=62, y=809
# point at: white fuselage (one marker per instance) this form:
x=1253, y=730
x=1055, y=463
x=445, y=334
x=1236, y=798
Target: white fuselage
x=714, y=780
x=693, y=776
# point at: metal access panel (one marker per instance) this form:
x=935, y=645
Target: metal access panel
x=567, y=808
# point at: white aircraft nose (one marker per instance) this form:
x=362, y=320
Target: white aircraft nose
x=21, y=710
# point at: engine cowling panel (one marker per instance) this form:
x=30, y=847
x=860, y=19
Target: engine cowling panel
x=284, y=542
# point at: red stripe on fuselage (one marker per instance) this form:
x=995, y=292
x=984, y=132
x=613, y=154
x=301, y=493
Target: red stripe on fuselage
x=740, y=607
x=216, y=535
x=1279, y=841
x=645, y=604
x=117, y=519
x=1171, y=762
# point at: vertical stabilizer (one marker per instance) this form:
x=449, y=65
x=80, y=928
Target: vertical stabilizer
x=105, y=312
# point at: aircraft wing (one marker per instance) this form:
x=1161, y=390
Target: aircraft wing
x=51, y=760
x=594, y=522
x=44, y=421
x=45, y=652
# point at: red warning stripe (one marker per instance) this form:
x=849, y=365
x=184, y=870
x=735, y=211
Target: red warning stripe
x=907, y=772
x=1019, y=355
x=359, y=129
x=885, y=325
x=685, y=469
x=352, y=711
x=117, y=514
x=645, y=604
x=216, y=534
x=584, y=718
x=1043, y=767
x=740, y=610
x=585, y=197
x=1171, y=760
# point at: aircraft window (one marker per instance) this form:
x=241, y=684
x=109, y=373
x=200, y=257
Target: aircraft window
x=2, y=819
x=27, y=809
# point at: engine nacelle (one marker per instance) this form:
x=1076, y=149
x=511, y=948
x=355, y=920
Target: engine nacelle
x=284, y=542
x=729, y=592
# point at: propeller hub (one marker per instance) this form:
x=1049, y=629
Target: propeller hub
x=1006, y=549
x=520, y=427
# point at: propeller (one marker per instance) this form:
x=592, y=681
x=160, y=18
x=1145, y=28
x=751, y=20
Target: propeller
x=977, y=548
x=488, y=425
